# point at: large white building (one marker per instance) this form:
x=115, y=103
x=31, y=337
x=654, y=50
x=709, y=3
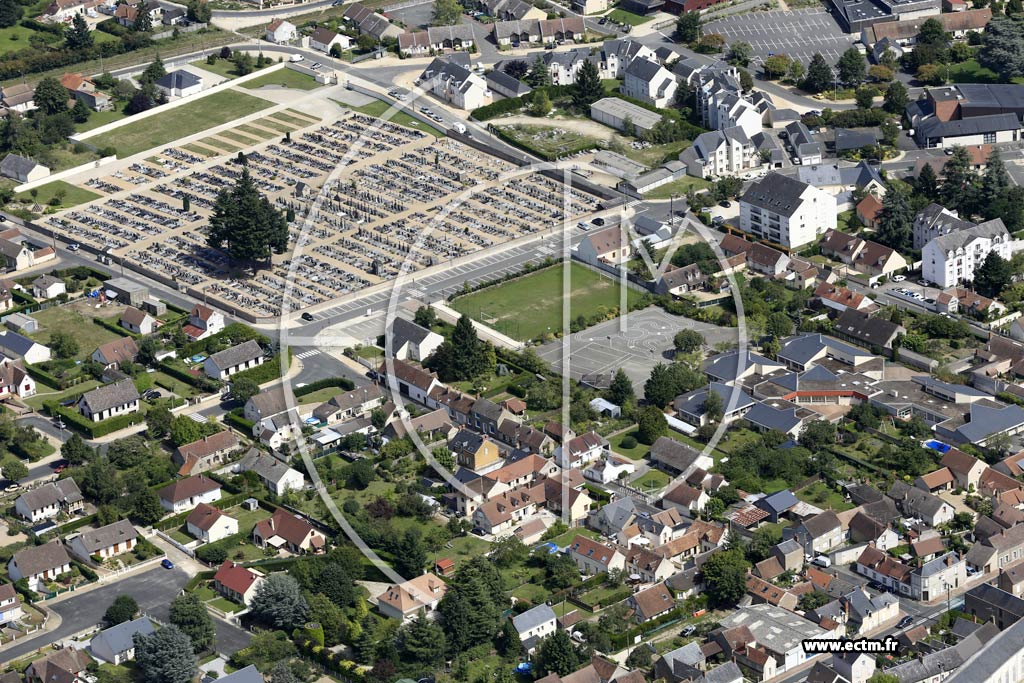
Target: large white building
x=952, y=258
x=455, y=84
x=648, y=81
x=721, y=152
x=787, y=212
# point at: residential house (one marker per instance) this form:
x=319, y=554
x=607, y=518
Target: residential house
x=818, y=534
x=842, y=299
x=10, y=606
x=281, y=32
x=82, y=88
x=274, y=422
x=60, y=497
x=323, y=39
x=534, y=624
x=370, y=23
x=356, y=403
x=864, y=528
x=937, y=577
x=475, y=452
x=999, y=551
x=276, y=475
x=507, y=510
x=237, y=583
x=62, y=11
x=868, y=210
x=455, y=84
x=116, y=645
x=593, y=557
x=68, y=665
x=677, y=458
x=224, y=364
x=966, y=469
x=119, y=398
x=412, y=381
x=116, y=353
x=777, y=504
x=206, y=453
x=913, y=502
x=106, y=542
x=789, y=554
x=765, y=592
x=290, y=531
x=405, y=600
x=1011, y=580
x=185, y=494
x=581, y=450
x=778, y=632
x=48, y=287
x=19, y=97
x=39, y=564
x=651, y=566
x=203, y=322
x=651, y=603
x=22, y=169
x=137, y=322
x=649, y=82
x=410, y=341
x=786, y=212
x=863, y=256
x=686, y=499
x=209, y=524
x=807, y=151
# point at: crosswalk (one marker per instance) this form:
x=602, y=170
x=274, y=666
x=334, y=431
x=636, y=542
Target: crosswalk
x=307, y=354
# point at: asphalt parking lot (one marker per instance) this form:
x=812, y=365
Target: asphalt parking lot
x=646, y=341
x=415, y=15
x=797, y=33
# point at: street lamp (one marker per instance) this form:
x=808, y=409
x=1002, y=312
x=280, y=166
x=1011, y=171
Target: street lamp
x=835, y=76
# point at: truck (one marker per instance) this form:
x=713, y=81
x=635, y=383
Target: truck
x=460, y=127
x=295, y=58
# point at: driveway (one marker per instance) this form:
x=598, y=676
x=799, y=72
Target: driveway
x=153, y=589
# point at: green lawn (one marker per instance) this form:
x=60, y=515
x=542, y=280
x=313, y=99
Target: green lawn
x=566, y=538
x=378, y=108
x=221, y=67
x=502, y=306
x=621, y=16
x=199, y=149
x=259, y=133
x=205, y=593
x=70, y=195
x=188, y=119
x=652, y=480
x=972, y=72
x=636, y=453
x=677, y=187
x=45, y=393
x=16, y=38
x=102, y=118
x=283, y=78
x=294, y=118
x=69, y=320
x=241, y=139
x=225, y=605
x=275, y=124
x=533, y=593
x=735, y=439
x=821, y=495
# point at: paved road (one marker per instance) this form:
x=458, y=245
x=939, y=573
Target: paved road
x=153, y=589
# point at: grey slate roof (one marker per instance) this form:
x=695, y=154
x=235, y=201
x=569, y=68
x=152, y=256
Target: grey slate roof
x=118, y=639
x=986, y=421
x=961, y=238
x=238, y=354
x=865, y=329
x=775, y=193
x=265, y=465
x=534, y=617
x=179, y=80
x=15, y=345
x=644, y=69
x=982, y=665
x=110, y=396
x=778, y=502
x=466, y=441
x=503, y=80
x=914, y=501
x=120, y=531
x=249, y=674
x=52, y=493
x=932, y=127
x=15, y=165
x=37, y=559
x=692, y=403
x=769, y=417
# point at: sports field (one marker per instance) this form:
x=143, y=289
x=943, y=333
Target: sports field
x=531, y=306
x=173, y=124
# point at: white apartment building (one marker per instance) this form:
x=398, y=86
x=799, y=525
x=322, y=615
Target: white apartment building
x=952, y=258
x=787, y=212
x=721, y=152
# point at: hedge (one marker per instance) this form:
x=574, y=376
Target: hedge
x=610, y=599
x=239, y=422
x=263, y=373
x=201, y=382
x=340, y=382
x=235, y=331
x=93, y=429
x=40, y=375
x=24, y=298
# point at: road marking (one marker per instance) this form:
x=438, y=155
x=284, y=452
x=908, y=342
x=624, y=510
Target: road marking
x=307, y=354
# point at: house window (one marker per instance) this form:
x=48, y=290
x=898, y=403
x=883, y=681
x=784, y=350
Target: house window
x=989, y=138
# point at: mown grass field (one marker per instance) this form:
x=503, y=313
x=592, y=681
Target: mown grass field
x=531, y=306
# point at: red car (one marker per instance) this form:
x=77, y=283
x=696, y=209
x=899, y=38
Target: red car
x=59, y=469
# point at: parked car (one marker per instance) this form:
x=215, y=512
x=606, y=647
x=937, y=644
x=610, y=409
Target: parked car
x=166, y=564
x=308, y=317
x=14, y=486
x=598, y=222
x=899, y=278
x=725, y=204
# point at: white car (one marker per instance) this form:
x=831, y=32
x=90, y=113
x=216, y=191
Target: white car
x=899, y=278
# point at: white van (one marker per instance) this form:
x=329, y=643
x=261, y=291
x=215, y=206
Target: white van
x=822, y=561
